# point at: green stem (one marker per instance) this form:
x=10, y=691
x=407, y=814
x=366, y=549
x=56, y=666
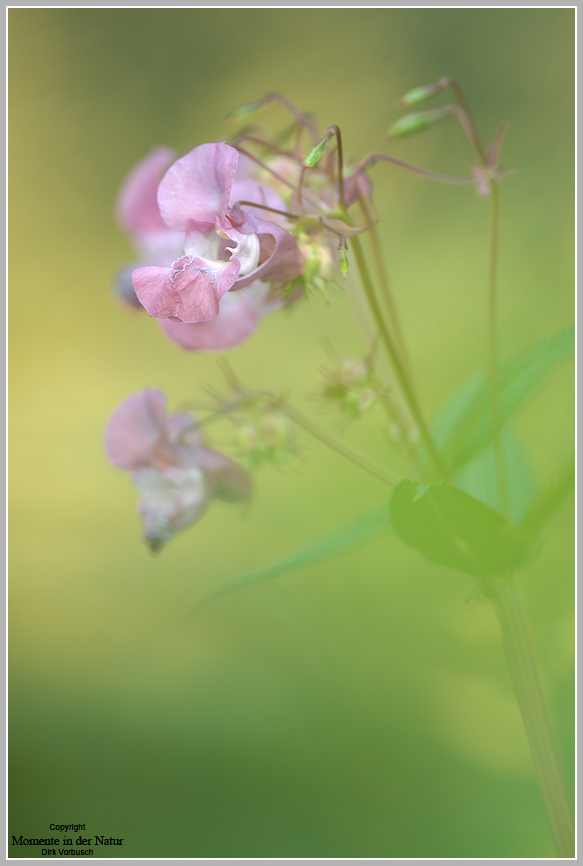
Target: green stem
x=492, y=350
x=530, y=698
x=398, y=367
x=472, y=131
x=324, y=437
x=386, y=285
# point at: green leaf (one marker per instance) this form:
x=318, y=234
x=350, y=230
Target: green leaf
x=349, y=537
x=548, y=503
x=479, y=477
x=449, y=527
x=464, y=428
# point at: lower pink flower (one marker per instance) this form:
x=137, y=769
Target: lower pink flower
x=176, y=475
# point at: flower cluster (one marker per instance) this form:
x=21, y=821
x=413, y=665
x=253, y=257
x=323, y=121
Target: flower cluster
x=225, y=235
x=176, y=475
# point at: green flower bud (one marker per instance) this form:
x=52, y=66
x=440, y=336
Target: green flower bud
x=412, y=123
x=423, y=93
x=246, y=109
x=343, y=262
x=316, y=153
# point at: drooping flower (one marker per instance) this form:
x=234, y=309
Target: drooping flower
x=225, y=249
x=175, y=473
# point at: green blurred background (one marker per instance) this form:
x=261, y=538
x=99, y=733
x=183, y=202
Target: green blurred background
x=354, y=709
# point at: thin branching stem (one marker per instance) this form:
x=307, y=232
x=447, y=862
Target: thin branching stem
x=471, y=126
x=334, y=443
x=335, y=130
x=436, y=176
x=285, y=213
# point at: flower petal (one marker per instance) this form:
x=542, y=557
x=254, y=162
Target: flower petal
x=251, y=190
x=198, y=186
x=189, y=291
x=137, y=208
x=236, y=321
x=283, y=261
x=136, y=429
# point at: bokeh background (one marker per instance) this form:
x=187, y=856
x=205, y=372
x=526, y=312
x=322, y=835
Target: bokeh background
x=358, y=708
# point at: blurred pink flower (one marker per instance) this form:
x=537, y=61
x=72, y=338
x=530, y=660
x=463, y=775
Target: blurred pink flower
x=176, y=475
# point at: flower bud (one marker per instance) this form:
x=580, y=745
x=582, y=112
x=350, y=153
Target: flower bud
x=264, y=435
x=246, y=109
x=343, y=262
x=423, y=93
x=348, y=387
x=419, y=122
x=352, y=371
x=316, y=153
x=276, y=429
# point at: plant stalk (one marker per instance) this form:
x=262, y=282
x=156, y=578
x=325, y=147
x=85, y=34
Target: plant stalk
x=528, y=691
x=493, y=351
x=398, y=367
x=385, y=284
x=324, y=437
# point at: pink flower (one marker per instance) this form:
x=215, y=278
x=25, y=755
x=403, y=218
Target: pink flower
x=139, y=216
x=176, y=475
x=224, y=249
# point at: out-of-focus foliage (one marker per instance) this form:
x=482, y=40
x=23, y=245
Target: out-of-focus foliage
x=356, y=708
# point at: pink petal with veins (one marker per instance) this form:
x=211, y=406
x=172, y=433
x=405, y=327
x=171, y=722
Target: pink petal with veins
x=198, y=186
x=190, y=290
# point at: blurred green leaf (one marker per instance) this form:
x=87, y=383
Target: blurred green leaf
x=345, y=539
x=449, y=527
x=464, y=428
x=479, y=477
x=548, y=503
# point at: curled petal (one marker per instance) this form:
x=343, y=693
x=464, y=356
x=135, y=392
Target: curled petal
x=282, y=261
x=190, y=290
x=137, y=204
x=236, y=321
x=135, y=432
x=198, y=186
